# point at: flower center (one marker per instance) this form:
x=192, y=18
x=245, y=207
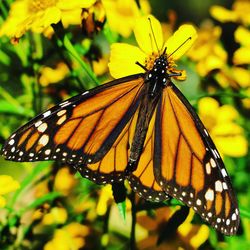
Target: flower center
x=149, y=61
x=38, y=5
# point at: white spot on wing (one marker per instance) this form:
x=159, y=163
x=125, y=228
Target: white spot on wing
x=47, y=152
x=224, y=185
x=64, y=104
x=209, y=195
x=47, y=113
x=12, y=141
x=218, y=186
x=223, y=172
x=208, y=168
x=86, y=92
x=37, y=124
x=61, y=120
x=198, y=202
x=42, y=127
x=234, y=217
x=213, y=164
x=206, y=132
x=62, y=112
x=216, y=154
x=13, y=136
x=43, y=140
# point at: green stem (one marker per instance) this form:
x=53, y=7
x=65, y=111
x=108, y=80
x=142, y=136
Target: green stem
x=68, y=46
x=228, y=94
x=9, y=98
x=3, y=10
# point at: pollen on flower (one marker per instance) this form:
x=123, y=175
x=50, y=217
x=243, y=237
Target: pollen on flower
x=149, y=61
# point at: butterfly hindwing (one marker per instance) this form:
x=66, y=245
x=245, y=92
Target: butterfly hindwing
x=142, y=180
x=188, y=166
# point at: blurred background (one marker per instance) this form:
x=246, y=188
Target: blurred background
x=52, y=50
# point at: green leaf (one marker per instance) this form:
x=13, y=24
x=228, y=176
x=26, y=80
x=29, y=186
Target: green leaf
x=122, y=209
x=244, y=212
x=6, y=107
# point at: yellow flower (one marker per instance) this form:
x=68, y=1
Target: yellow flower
x=124, y=56
x=236, y=77
x=100, y=66
x=207, y=52
x=220, y=121
x=237, y=14
x=105, y=197
x=7, y=185
x=57, y=215
x=200, y=237
x=50, y=75
x=38, y=15
x=64, y=181
x=242, y=55
x=121, y=14
x=70, y=237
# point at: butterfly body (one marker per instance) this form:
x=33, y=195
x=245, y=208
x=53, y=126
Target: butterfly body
x=139, y=128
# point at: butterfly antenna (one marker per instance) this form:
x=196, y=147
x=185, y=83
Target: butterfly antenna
x=151, y=27
x=180, y=46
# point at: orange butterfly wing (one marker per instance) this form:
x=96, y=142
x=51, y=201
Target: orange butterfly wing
x=111, y=167
x=188, y=166
x=142, y=180
x=81, y=129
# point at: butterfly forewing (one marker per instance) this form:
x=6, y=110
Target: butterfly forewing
x=80, y=129
x=188, y=166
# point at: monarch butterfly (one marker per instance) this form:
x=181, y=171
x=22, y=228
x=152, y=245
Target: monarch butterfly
x=140, y=128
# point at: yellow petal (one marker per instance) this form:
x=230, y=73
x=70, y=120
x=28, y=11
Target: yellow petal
x=69, y=5
x=181, y=41
x=106, y=195
x=223, y=15
x=241, y=76
x=71, y=17
x=201, y=236
x=121, y=15
x=148, y=34
x=242, y=36
x=64, y=181
x=7, y=184
x=227, y=113
x=75, y=229
x=222, y=79
x=242, y=56
x=57, y=215
x=210, y=63
x=2, y=201
x=230, y=140
x=52, y=15
x=208, y=105
x=123, y=58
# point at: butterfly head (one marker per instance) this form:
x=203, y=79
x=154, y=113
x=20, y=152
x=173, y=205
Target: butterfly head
x=160, y=74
